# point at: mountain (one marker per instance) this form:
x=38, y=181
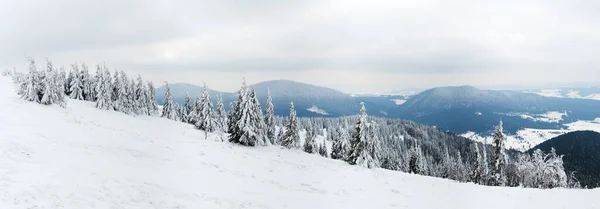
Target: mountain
x=466, y=108
x=84, y=157
x=581, y=150
x=309, y=100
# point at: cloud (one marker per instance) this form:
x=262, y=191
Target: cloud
x=375, y=44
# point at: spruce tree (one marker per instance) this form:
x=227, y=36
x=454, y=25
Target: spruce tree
x=150, y=99
x=270, y=118
x=310, y=144
x=195, y=115
x=52, y=89
x=244, y=122
x=88, y=84
x=188, y=109
x=115, y=86
x=131, y=97
x=76, y=84
x=103, y=89
x=362, y=143
x=477, y=170
x=323, y=149
x=221, y=115
x=499, y=158
x=169, y=107
x=206, y=120
x=291, y=138
x=231, y=114
x=140, y=98
x=258, y=119
x=32, y=90
x=341, y=145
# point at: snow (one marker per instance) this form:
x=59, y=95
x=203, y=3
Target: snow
x=548, y=117
x=399, y=101
x=317, y=110
x=547, y=93
x=478, y=113
x=570, y=94
x=528, y=138
x=83, y=157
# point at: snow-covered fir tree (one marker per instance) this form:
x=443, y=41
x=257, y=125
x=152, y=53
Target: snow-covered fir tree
x=123, y=103
x=499, y=158
x=231, y=114
x=150, y=99
x=103, y=89
x=341, y=146
x=476, y=172
x=140, y=97
x=258, y=120
x=270, y=118
x=364, y=147
x=221, y=115
x=245, y=129
x=323, y=149
x=188, y=109
x=206, y=118
x=76, y=86
x=52, y=89
x=310, y=144
x=131, y=97
x=88, y=84
x=32, y=91
x=291, y=138
x=197, y=107
x=169, y=108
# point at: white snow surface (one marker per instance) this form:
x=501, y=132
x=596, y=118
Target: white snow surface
x=399, y=101
x=571, y=94
x=83, y=157
x=317, y=110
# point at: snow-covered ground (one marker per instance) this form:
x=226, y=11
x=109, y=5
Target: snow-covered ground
x=549, y=117
x=570, y=94
x=399, y=101
x=317, y=110
x=82, y=157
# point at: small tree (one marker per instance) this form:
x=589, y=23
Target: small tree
x=169, y=109
x=270, y=118
x=188, y=109
x=310, y=145
x=76, y=86
x=477, y=170
x=291, y=138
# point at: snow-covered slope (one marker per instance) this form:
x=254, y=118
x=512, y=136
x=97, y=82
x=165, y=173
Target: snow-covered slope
x=82, y=157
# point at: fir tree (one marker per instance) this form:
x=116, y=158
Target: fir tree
x=188, y=109
x=310, y=144
x=291, y=138
x=244, y=129
x=206, y=120
x=32, y=91
x=231, y=120
x=364, y=147
x=270, y=118
x=477, y=170
x=103, y=89
x=221, y=115
x=53, y=90
x=169, y=109
x=341, y=146
x=140, y=97
x=88, y=84
x=499, y=158
x=150, y=99
x=76, y=84
x=258, y=119
x=323, y=149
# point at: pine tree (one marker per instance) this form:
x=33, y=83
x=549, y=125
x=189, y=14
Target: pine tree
x=76, y=84
x=231, y=120
x=53, y=90
x=169, y=109
x=188, y=109
x=323, y=149
x=291, y=138
x=364, y=147
x=310, y=144
x=88, y=84
x=123, y=97
x=477, y=170
x=244, y=129
x=270, y=118
x=150, y=99
x=414, y=161
x=103, y=89
x=131, y=97
x=63, y=81
x=32, y=91
x=197, y=107
x=140, y=97
x=206, y=120
x=499, y=158
x=221, y=115
x=341, y=146
x=116, y=85
x=258, y=119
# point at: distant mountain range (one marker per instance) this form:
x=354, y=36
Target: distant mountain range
x=455, y=109
x=309, y=100
x=581, y=150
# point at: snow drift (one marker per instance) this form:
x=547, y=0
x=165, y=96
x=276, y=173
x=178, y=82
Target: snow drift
x=83, y=157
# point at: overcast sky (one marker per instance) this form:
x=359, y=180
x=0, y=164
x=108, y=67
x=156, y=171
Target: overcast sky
x=350, y=45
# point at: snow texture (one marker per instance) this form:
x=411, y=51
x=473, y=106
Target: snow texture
x=317, y=110
x=83, y=157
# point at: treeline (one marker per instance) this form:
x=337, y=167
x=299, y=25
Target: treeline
x=359, y=140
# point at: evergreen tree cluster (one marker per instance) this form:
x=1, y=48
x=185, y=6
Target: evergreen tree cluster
x=41, y=85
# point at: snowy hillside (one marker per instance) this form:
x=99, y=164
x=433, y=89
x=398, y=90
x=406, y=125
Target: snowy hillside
x=83, y=157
